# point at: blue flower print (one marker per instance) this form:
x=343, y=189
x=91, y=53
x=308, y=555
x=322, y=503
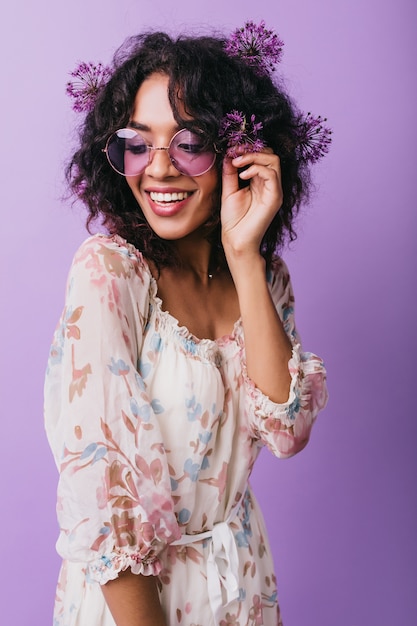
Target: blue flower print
x=88, y=451
x=287, y=310
x=195, y=410
x=189, y=346
x=55, y=355
x=144, y=411
x=287, y=313
x=192, y=469
x=100, y=452
x=241, y=540
x=139, y=380
x=144, y=368
x=156, y=342
x=273, y=598
x=294, y=408
x=184, y=516
x=157, y=406
x=242, y=536
x=141, y=412
x=120, y=368
x=306, y=356
x=205, y=436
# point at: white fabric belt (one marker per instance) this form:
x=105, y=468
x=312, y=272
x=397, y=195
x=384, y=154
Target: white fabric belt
x=222, y=562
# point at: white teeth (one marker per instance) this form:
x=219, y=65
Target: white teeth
x=168, y=197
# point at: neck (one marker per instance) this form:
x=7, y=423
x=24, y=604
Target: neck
x=194, y=255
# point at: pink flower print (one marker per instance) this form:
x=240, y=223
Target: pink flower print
x=114, y=262
x=292, y=439
x=315, y=393
x=165, y=575
x=102, y=496
x=153, y=471
x=255, y=613
x=121, y=486
x=231, y=620
x=73, y=330
x=220, y=481
x=79, y=377
x=131, y=531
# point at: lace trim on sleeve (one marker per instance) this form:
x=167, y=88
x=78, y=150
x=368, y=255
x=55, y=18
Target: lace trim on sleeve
x=109, y=566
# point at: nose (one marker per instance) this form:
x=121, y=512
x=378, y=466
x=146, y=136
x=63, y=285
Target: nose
x=160, y=165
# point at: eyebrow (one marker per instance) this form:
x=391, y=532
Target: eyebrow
x=138, y=126
x=145, y=128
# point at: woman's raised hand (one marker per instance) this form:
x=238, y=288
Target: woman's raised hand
x=246, y=213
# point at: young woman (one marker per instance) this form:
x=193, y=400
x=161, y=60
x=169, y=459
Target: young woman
x=176, y=357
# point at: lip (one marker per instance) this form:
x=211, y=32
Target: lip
x=174, y=207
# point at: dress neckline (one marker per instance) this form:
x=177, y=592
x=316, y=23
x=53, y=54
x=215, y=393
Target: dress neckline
x=165, y=318
x=182, y=330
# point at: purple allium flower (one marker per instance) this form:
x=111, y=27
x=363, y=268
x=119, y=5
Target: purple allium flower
x=258, y=46
x=84, y=90
x=240, y=135
x=314, y=137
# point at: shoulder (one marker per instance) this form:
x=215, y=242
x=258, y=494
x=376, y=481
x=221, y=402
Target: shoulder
x=103, y=257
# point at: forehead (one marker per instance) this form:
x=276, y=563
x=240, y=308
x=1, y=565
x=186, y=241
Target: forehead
x=151, y=103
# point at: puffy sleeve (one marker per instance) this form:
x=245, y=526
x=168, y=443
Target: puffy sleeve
x=114, y=499
x=285, y=428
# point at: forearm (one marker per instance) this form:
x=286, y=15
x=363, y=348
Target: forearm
x=267, y=346
x=133, y=600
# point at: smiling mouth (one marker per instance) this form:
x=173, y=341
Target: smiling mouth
x=168, y=198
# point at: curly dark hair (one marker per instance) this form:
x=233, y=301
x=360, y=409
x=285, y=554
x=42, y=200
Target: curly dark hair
x=208, y=84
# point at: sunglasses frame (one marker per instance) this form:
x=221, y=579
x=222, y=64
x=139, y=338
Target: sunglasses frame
x=155, y=148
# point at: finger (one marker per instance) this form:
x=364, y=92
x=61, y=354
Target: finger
x=267, y=159
x=264, y=180
x=265, y=173
x=230, y=179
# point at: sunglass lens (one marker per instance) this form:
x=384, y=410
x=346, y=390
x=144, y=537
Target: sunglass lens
x=189, y=154
x=127, y=152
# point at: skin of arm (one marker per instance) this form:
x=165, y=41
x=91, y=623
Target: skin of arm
x=133, y=600
x=246, y=214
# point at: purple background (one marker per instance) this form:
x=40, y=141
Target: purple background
x=341, y=515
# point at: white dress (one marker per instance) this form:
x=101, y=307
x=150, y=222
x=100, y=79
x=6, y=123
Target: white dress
x=155, y=434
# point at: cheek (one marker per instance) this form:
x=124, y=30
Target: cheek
x=214, y=192
x=211, y=184
x=133, y=182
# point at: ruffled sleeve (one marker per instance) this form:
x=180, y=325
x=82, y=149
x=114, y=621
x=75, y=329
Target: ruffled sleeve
x=114, y=499
x=285, y=428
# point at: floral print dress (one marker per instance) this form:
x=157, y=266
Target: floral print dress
x=155, y=433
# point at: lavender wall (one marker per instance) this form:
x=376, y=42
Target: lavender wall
x=342, y=515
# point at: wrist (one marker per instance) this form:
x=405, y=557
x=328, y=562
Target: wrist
x=246, y=264
x=242, y=253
